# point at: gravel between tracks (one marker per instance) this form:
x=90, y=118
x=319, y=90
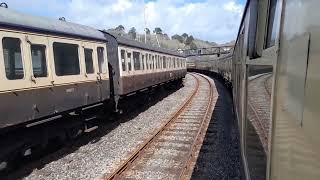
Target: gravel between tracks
x=103, y=156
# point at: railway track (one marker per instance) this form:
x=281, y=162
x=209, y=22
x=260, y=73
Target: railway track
x=259, y=106
x=169, y=152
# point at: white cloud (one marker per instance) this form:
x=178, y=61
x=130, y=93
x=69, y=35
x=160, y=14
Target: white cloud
x=212, y=20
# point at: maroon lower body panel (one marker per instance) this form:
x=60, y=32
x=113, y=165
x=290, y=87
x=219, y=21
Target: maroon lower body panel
x=129, y=84
x=24, y=106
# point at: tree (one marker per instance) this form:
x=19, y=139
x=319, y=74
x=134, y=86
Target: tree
x=147, y=31
x=193, y=45
x=189, y=40
x=120, y=28
x=185, y=35
x=157, y=30
x=132, y=33
x=177, y=37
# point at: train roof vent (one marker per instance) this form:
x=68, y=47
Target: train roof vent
x=62, y=19
x=4, y=5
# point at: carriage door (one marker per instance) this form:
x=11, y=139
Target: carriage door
x=40, y=77
x=14, y=78
x=90, y=89
x=102, y=71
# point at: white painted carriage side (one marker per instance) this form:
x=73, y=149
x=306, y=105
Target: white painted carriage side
x=29, y=81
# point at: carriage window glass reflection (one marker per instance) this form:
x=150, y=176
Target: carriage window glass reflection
x=66, y=59
x=123, y=60
x=12, y=58
x=136, y=60
x=101, y=60
x=129, y=61
x=88, y=60
x=39, y=63
x=273, y=23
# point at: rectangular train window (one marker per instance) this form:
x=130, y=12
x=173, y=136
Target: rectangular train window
x=66, y=59
x=89, y=61
x=39, y=63
x=273, y=23
x=129, y=61
x=150, y=65
x=12, y=58
x=136, y=60
x=156, y=62
x=164, y=62
x=101, y=60
x=123, y=60
x=153, y=62
x=160, y=62
x=142, y=61
x=147, y=61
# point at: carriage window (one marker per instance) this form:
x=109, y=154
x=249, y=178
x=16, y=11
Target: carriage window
x=273, y=23
x=101, y=60
x=123, y=60
x=153, y=63
x=12, y=58
x=150, y=63
x=66, y=59
x=88, y=60
x=136, y=60
x=164, y=62
x=156, y=62
x=147, y=62
x=142, y=61
x=160, y=62
x=129, y=61
x=39, y=64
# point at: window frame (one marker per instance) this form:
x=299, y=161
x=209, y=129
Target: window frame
x=46, y=60
x=85, y=60
x=22, y=59
x=139, y=60
x=9, y=85
x=58, y=80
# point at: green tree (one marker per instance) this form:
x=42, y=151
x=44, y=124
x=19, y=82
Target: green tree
x=185, y=35
x=147, y=31
x=157, y=30
x=189, y=40
x=132, y=33
x=193, y=45
x=177, y=37
x=120, y=28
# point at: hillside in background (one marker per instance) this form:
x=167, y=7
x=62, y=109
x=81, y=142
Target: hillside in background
x=158, y=37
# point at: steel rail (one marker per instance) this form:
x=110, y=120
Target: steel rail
x=116, y=174
x=202, y=130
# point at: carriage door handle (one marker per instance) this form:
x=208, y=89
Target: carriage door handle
x=33, y=79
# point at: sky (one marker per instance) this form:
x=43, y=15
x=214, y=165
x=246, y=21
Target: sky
x=210, y=20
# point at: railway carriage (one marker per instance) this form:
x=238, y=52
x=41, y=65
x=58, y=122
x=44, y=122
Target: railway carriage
x=141, y=66
x=49, y=67
x=55, y=75
x=275, y=82
x=274, y=72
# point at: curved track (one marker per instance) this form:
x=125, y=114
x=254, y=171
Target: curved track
x=259, y=95
x=168, y=153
